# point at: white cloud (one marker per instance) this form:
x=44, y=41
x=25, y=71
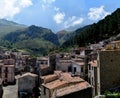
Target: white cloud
x=59, y=17
x=25, y=3
x=97, y=13
x=47, y=3
x=56, y=9
x=9, y=8
x=73, y=21
x=43, y=6
x=77, y=22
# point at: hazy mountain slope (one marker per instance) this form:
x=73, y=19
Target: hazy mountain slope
x=35, y=39
x=66, y=35
x=63, y=36
x=9, y=26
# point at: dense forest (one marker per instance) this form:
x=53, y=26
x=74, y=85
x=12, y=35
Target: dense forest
x=104, y=29
x=35, y=40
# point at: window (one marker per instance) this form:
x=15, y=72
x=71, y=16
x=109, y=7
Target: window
x=89, y=80
x=81, y=69
x=69, y=68
x=44, y=90
x=89, y=66
x=46, y=62
x=92, y=68
x=92, y=81
x=74, y=70
x=6, y=69
x=111, y=60
x=41, y=62
x=6, y=75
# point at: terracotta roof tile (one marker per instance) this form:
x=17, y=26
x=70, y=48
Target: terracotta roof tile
x=28, y=74
x=43, y=66
x=93, y=63
x=55, y=84
x=49, y=78
x=8, y=65
x=63, y=79
x=72, y=88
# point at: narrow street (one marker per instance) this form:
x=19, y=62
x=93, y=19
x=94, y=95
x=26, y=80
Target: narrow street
x=10, y=91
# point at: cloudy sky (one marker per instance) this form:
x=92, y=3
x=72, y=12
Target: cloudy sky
x=56, y=14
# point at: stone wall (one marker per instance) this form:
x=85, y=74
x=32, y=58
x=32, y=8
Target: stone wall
x=109, y=69
x=27, y=83
x=1, y=91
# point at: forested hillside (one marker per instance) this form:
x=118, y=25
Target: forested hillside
x=36, y=40
x=104, y=29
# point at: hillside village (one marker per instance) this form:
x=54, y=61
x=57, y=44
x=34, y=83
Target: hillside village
x=59, y=49
x=85, y=72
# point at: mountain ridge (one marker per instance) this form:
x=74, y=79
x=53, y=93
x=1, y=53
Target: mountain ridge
x=37, y=40
x=43, y=39
x=9, y=26
x=104, y=29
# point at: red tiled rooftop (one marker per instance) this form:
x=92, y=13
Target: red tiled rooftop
x=72, y=88
x=63, y=80
x=9, y=65
x=65, y=61
x=115, y=41
x=43, y=66
x=28, y=74
x=79, y=63
x=49, y=78
x=67, y=77
x=55, y=84
x=42, y=58
x=93, y=63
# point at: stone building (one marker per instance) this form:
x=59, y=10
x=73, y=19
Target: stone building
x=63, y=62
x=85, y=56
x=103, y=73
x=113, y=45
x=8, y=74
x=80, y=90
x=92, y=75
x=62, y=85
x=52, y=62
x=27, y=82
x=43, y=66
x=78, y=66
x=1, y=88
x=42, y=61
x=108, y=70
x=30, y=65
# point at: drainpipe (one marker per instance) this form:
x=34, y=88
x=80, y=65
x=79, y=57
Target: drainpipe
x=98, y=74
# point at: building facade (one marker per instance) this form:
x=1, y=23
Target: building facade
x=108, y=70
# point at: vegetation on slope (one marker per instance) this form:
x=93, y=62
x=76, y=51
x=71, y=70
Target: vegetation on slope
x=104, y=29
x=9, y=26
x=36, y=40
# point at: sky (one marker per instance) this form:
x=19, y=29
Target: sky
x=57, y=14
